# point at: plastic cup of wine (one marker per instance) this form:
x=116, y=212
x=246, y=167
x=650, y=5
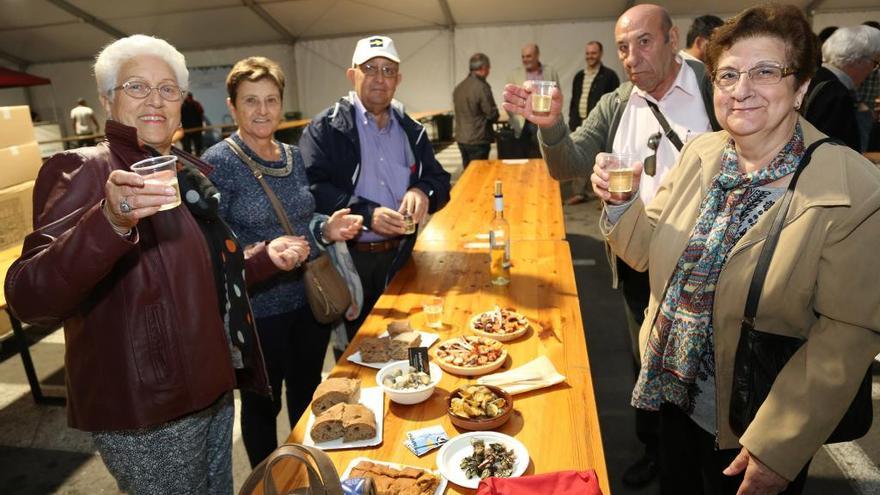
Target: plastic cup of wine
x=162, y=171
x=432, y=306
x=620, y=175
x=541, y=96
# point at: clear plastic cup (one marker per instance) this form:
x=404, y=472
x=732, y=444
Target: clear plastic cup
x=433, y=308
x=160, y=170
x=541, y=96
x=620, y=175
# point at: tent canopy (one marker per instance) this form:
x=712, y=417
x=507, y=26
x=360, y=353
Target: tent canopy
x=73, y=30
x=14, y=79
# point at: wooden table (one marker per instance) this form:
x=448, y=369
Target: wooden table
x=532, y=204
x=559, y=425
x=7, y=257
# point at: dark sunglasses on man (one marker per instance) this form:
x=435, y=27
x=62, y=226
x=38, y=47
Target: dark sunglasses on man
x=651, y=161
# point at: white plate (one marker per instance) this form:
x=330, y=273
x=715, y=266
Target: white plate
x=374, y=399
x=428, y=340
x=452, y=452
x=440, y=488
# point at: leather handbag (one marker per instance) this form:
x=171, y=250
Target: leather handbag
x=760, y=356
x=326, y=290
x=323, y=478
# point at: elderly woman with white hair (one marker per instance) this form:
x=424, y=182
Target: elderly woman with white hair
x=849, y=56
x=158, y=327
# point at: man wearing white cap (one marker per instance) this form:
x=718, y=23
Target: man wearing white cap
x=365, y=153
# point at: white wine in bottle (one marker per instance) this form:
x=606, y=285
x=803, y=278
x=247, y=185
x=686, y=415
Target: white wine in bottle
x=499, y=242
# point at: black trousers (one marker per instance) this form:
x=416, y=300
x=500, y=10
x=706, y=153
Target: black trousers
x=636, y=290
x=192, y=142
x=293, y=346
x=690, y=465
x=528, y=142
x=473, y=152
x=373, y=269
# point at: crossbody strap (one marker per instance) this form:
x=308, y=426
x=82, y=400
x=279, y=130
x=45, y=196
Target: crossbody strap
x=760, y=274
x=667, y=130
x=276, y=204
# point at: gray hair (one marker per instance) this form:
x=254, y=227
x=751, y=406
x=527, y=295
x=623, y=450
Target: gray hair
x=113, y=56
x=848, y=45
x=478, y=61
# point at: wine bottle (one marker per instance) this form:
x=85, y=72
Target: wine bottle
x=499, y=242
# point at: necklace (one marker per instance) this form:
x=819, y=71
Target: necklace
x=271, y=171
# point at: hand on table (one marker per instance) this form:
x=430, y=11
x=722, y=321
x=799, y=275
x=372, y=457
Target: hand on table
x=288, y=252
x=127, y=191
x=599, y=178
x=341, y=226
x=759, y=479
x=415, y=203
x=516, y=100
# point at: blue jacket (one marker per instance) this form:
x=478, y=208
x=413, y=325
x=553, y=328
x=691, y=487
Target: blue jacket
x=331, y=150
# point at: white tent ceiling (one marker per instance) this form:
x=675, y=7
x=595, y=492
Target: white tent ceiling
x=41, y=31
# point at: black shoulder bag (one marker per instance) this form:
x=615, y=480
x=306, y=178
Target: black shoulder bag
x=760, y=356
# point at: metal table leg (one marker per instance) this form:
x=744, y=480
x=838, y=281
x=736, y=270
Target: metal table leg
x=24, y=351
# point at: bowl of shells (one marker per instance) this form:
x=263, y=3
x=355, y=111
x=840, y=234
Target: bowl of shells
x=479, y=407
x=404, y=385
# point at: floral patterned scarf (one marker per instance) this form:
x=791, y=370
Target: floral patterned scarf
x=682, y=333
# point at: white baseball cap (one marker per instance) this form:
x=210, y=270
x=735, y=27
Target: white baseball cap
x=374, y=46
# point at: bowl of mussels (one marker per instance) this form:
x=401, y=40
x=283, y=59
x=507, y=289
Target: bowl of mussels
x=479, y=407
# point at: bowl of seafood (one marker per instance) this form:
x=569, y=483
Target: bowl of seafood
x=469, y=355
x=479, y=407
x=499, y=324
x=404, y=385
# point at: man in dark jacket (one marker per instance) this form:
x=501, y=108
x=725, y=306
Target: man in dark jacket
x=588, y=86
x=475, y=111
x=831, y=103
x=365, y=153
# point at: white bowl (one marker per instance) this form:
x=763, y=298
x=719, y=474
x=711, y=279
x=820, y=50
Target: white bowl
x=409, y=396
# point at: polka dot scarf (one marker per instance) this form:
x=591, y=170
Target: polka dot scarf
x=683, y=329
x=202, y=199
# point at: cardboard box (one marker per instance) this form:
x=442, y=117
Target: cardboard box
x=16, y=126
x=19, y=164
x=16, y=213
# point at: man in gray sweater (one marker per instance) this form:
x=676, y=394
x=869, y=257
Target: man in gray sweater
x=661, y=87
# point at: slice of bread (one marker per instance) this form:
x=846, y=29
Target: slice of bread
x=358, y=423
x=334, y=391
x=398, y=327
x=402, y=342
x=374, y=350
x=328, y=426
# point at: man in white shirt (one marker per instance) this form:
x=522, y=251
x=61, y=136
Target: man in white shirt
x=623, y=121
x=83, y=122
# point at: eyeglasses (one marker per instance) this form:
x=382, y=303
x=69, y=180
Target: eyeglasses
x=651, y=161
x=388, y=71
x=140, y=90
x=761, y=74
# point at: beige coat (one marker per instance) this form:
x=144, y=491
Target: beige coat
x=822, y=285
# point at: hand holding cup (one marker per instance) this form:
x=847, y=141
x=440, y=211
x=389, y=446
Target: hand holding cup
x=616, y=177
x=531, y=101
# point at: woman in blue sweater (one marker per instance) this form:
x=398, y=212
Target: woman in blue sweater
x=293, y=342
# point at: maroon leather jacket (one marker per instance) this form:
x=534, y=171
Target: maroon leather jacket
x=145, y=342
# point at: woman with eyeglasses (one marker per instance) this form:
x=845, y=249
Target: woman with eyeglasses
x=700, y=239
x=157, y=323
x=293, y=342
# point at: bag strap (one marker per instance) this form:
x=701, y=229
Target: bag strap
x=276, y=204
x=667, y=130
x=322, y=481
x=760, y=274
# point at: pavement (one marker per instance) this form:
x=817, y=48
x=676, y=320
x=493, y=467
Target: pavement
x=39, y=454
